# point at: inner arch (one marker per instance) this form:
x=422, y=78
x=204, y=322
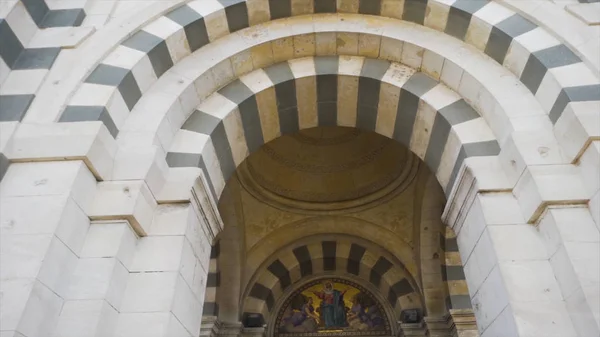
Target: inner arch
x=373, y=95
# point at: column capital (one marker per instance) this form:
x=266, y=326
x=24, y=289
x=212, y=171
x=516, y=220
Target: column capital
x=253, y=332
x=412, y=329
x=437, y=326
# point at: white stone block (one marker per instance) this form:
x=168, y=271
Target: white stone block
x=585, y=257
x=149, y=292
x=574, y=224
x=22, y=255
x=199, y=239
x=87, y=141
x=199, y=284
x=171, y=219
x=490, y=300
x=98, y=279
x=564, y=272
x=594, y=206
x=186, y=307
x=59, y=264
x=503, y=326
x=532, y=319
x=471, y=230
x=529, y=281
x=73, y=226
x=21, y=23
x=17, y=218
x=50, y=178
x=590, y=167
x=110, y=239
x=451, y=75
x=480, y=263
x=11, y=334
x=178, y=184
x=128, y=200
x=518, y=242
x=141, y=163
x=7, y=130
x=187, y=266
x=158, y=253
x=578, y=123
x=15, y=294
x=545, y=184
x=155, y=324
x=524, y=148
x=93, y=318
x=584, y=311
x=65, y=37
x=19, y=82
x=488, y=172
x=29, y=307
x=55, y=214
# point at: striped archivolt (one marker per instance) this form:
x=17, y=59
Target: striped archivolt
x=431, y=120
x=347, y=257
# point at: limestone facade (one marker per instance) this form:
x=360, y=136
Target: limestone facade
x=121, y=123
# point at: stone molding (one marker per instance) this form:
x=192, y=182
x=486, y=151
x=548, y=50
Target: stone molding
x=455, y=324
x=205, y=207
x=213, y=327
x=462, y=320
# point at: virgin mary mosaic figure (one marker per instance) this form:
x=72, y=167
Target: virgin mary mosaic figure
x=333, y=310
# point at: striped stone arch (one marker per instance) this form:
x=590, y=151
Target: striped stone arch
x=431, y=120
x=453, y=275
x=544, y=66
x=213, y=281
x=333, y=256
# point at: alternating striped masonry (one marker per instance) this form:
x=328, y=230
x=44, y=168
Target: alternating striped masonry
x=211, y=308
x=554, y=74
x=391, y=99
x=340, y=257
x=453, y=275
x=23, y=69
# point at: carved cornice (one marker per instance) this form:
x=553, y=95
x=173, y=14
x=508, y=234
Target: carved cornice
x=205, y=208
x=460, y=199
x=461, y=320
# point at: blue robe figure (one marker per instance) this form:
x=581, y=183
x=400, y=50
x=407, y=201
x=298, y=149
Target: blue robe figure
x=332, y=306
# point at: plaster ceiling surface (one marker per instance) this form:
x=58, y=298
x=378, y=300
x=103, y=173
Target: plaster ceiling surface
x=327, y=165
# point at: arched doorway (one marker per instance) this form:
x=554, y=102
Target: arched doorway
x=107, y=139
x=337, y=203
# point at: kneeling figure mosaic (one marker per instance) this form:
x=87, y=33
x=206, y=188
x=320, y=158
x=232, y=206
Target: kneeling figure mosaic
x=332, y=307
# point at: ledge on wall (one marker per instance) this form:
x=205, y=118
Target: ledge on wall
x=589, y=13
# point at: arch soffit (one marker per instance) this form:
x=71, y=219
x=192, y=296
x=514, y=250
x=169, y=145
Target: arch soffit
x=482, y=15
x=333, y=254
